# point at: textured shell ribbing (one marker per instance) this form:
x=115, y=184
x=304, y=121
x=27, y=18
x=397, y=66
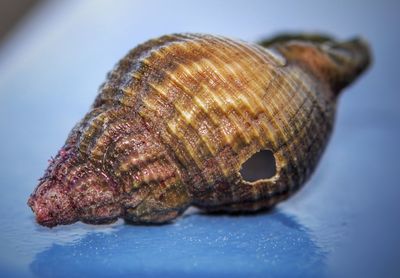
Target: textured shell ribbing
x=175, y=121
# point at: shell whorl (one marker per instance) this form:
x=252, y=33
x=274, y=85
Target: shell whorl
x=207, y=97
x=177, y=118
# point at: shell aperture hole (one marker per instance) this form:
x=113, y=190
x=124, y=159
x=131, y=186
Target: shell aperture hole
x=261, y=165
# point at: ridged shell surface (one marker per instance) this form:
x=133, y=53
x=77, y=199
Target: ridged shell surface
x=174, y=123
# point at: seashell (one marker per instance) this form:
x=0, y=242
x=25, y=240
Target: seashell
x=179, y=116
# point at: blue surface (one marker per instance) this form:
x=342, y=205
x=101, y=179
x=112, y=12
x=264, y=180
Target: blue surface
x=198, y=244
x=344, y=222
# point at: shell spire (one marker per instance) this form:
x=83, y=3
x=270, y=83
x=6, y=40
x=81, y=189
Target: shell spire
x=180, y=117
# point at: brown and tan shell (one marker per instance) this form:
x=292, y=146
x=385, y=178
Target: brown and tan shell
x=178, y=117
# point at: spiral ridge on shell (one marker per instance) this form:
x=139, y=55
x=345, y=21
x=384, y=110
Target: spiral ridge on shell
x=178, y=117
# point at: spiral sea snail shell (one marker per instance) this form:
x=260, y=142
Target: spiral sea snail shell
x=178, y=117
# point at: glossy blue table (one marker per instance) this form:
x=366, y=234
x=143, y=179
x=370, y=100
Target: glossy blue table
x=344, y=222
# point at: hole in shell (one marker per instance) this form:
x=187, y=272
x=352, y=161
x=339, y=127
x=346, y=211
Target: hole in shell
x=261, y=165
